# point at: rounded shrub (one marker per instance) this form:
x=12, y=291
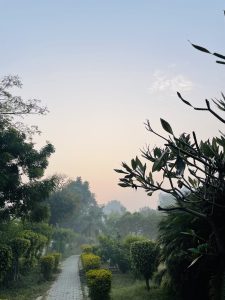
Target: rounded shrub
x=144, y=257
x=99, y=284
x=47, y=264
x=90, y=261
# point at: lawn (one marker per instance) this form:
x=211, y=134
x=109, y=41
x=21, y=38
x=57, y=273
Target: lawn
x=124, y=286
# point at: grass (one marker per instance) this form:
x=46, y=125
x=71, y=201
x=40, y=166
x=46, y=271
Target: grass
x=29, y=287
x=124, y=286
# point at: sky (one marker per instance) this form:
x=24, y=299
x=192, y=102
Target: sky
x=105, y=66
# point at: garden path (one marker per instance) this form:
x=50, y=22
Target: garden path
x=67, y=286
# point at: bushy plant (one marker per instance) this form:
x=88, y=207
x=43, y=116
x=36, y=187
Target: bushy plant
x=99, y=283
x=90, y=261
x=5, y=260
x=86, y=248
x=19, y=247
x=47, y=264
x=57, y=257
x=37, y=243
x=144, y=256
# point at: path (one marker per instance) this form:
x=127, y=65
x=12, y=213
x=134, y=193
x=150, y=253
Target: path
x=67, y=286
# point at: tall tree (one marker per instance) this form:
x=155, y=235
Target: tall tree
x=22, y=166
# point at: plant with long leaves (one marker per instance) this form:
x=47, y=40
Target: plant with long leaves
x=193, y=172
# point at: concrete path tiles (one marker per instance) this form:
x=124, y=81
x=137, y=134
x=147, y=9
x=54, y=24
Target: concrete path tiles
x=67, y=286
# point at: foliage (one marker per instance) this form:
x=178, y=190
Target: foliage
x=193, y=173
x=144, y=256
x=112, y=251
x=26, y=288
x=73, y=206
x=37, y=243
x=61, y=238
x=47, y=264
x=19, y=247
x=86, y=248
x=99, y=283
x=20, y=160
x=5, y=260
x=40, y=228
x=57, y=256
x=90, y=261
x=144, y=223
x=13, y=106
x=125, y=286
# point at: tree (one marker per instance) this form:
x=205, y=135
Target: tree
x=22, y=166
x=193, y=172
x=144, y=258
x=12, y=107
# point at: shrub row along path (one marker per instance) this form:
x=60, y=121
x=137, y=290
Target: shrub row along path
x=67, y=286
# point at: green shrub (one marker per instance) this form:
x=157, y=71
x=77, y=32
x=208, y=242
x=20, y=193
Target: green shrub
x=86, y=248
x=90, y=261
x=47, y=264
x=37, y=243
x=57, y=257
x=144, y=256
x=99, y=283
x=5, y=260
x=19, y=247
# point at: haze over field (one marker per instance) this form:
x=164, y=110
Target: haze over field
x=103, y=68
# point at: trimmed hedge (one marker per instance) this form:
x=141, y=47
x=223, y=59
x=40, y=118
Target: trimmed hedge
x=99, y=283
x=47, y=264
x=90, y=261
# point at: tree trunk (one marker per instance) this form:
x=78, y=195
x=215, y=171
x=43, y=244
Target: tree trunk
x=147, y=283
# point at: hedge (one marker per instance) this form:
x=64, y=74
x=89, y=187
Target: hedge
x=90, y=261
x=99, y=283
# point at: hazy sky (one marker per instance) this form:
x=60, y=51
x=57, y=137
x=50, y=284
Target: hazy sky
x=103, y=68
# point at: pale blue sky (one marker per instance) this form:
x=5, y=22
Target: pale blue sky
x=103, y=67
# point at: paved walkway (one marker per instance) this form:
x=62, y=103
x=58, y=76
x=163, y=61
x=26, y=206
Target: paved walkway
x=67, y=286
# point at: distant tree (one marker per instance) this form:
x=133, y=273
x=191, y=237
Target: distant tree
x=114, y=206
x=74, y=206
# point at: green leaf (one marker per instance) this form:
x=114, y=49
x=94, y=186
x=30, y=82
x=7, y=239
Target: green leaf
x=157, y=152
x=166, y=126
x=133, y=164
x=194, y=261
x=159, y=163
x=219, y=55
x=180, y=166
x=123, y=184
x=120, y=171
x=220, y=62
x=201, y=48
